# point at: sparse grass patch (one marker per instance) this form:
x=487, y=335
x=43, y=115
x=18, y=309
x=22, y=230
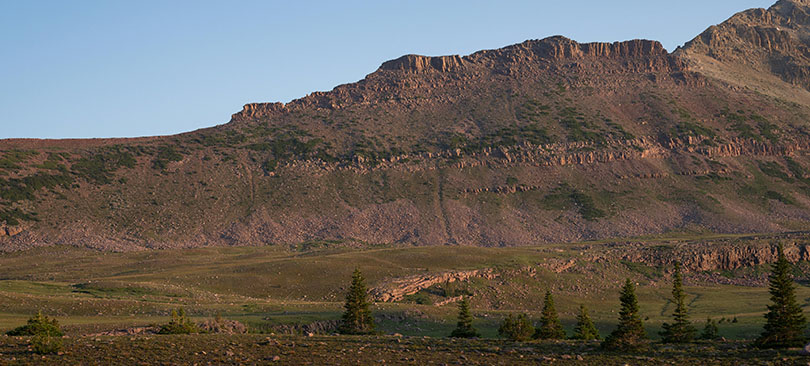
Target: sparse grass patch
x=565, y=196
x=773, y=169
x=99, y=168
x=11, y=159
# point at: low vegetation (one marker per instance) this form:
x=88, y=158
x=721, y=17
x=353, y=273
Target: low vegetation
x=516, y=328
x=46, y=334
x=179, y=324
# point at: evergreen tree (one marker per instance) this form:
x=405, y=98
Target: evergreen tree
x=681, y=330
x=710, y=331
x=464, y=328
x=357, y=319
x=516, y=328
x=630, y=334
x=785, y=322
x=585, y=330
x=550, y=327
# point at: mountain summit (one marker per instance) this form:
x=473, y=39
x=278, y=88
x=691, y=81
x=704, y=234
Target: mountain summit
x=545, y=140
x=755, y=44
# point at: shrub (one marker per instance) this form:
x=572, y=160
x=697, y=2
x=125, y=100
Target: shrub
x=710, y=331
x=43, y=344
x=179, y=324
x=420, y=298
x=99, y=168
x=45, y=331
x=516, y=328
x=166, y=154
x=38, y=325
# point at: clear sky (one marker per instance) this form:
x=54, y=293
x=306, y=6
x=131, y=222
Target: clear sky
x=114, y=68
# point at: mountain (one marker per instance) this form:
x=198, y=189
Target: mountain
x=544, y=141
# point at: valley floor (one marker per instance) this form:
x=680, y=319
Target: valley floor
x=286, y=290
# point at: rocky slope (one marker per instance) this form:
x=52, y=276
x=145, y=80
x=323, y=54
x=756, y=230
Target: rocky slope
x=546, y=140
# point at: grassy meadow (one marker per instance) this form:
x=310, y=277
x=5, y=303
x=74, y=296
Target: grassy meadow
x=90, y=291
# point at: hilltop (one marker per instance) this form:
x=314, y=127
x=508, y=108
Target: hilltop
x=543, y=141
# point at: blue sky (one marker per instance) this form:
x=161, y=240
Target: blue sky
x=135, y=68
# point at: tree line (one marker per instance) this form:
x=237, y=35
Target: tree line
x=785, y=322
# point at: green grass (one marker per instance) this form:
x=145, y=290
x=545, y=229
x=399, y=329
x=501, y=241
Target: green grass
x=773, y=169
x=690, y=128
x=565, y=197
x=99, y=167
x=11, y=159
x=261, y=286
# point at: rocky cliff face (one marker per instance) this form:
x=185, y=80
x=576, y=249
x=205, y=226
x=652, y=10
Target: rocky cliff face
x=543, y=141
x=447, y=72
x=724, y=256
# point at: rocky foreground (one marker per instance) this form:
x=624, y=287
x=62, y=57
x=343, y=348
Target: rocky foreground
x=377, y=350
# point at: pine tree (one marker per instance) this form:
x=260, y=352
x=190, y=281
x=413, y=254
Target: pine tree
x=516, y=328
x=681, y=330
x=785, y=322
x=630, y=334
x=464, y=328
x=357, y=319
x=550, y=327
x=710, y=331
x=585, y=330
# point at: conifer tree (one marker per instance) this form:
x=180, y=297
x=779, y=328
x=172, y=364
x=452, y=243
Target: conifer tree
x=681, y=329
x=585, y=330
x=357, y=319
x=550, y=327
x=785, y=321
x=710, y=331
x=464, y=328
x=516, y=328
x=630, y=334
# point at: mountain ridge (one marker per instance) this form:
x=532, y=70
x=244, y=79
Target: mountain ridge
x=542, y=141
x=534, y=51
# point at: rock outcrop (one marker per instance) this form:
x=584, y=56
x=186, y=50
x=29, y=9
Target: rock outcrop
x=720, y=256
x=397, y=289
x=417, y=63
